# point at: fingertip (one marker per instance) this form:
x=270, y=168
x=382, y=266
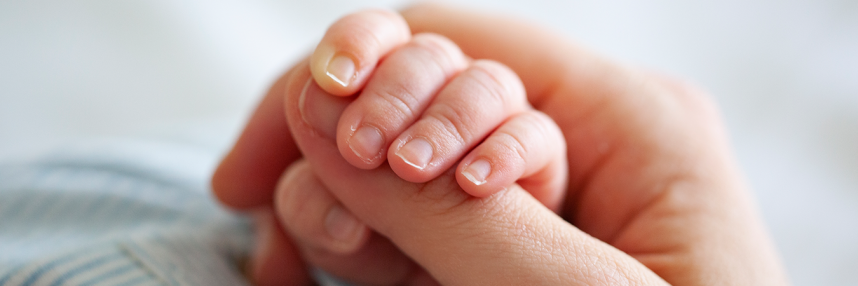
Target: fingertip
x=222, y=185
x=352, y=47
x=488, y=169
x=363, y=146
x=473, y=177
x=411, y=159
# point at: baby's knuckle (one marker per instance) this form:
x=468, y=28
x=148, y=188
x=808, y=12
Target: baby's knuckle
x=499, y=81
x=539, y=124
x=454, y=121
x=399, y=101
x=443, y=53
x=513, y=143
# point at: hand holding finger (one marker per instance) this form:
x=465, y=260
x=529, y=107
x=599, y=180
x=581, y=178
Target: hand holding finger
x=330, y=238
x=437, y=221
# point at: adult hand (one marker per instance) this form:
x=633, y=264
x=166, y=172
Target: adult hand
x=651, y=178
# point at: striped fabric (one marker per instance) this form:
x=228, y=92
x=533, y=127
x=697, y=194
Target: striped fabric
x=116, y=213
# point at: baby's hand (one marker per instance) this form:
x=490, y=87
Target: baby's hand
x=424, y=106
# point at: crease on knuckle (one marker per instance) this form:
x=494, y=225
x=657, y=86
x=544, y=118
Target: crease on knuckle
x=539, y=123
x=488, y=80
x=454, y=121
x=400, y=99
x=441, y=52
x=514, y=142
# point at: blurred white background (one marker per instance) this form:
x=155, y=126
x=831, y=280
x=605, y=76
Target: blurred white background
x=784, y=72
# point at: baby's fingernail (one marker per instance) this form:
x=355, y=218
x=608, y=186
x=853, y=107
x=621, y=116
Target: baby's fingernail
x=341, y=69
x=366, y=142
x=478, y=171
x=342, y=225
x=417, y=153
x=320, y=109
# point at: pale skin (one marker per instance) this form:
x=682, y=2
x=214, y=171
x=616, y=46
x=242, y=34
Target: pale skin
x=653, y=193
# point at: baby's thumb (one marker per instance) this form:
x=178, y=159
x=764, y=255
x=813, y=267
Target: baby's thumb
x=507, y=238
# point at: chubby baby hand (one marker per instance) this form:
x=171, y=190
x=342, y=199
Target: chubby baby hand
x=423, y=106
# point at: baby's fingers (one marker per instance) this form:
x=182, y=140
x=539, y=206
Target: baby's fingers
x=402, y=87
x=351, y=48
x=528, y=148
x=463, y=113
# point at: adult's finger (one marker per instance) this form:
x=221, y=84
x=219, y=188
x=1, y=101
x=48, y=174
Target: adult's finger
x=455, y=237
x=332, y=239
x=352, y=46
x=314, y=217
x=247, y=176
x=275, y=259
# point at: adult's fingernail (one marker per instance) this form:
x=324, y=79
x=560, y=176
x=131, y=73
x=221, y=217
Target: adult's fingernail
x=478, y=171
x=320, y=109
x=366, y=142
x=341, y=69
x=417, y=153
x=342, y=225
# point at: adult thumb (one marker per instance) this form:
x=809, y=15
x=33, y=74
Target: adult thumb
x=507, y=238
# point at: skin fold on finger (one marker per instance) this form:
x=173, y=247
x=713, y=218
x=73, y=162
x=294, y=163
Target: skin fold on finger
x=275, y=260
x=247, y=176
x=457, y=238
x=352, y=46
x=401, y=88
x=465, y=111
x=529, y=149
